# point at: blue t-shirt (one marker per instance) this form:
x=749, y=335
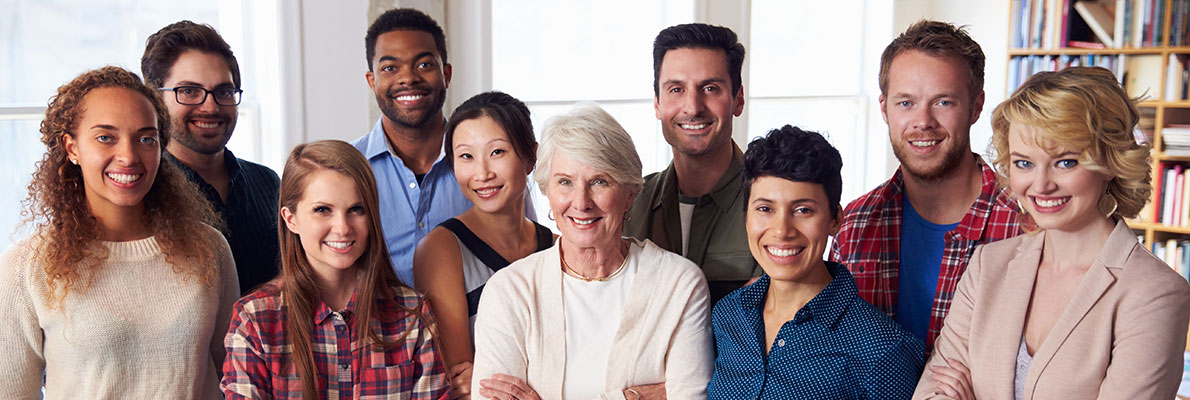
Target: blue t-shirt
x=836, y=347
x=922, y=244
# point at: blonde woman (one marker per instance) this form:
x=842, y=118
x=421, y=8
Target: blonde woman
x=1077, y=309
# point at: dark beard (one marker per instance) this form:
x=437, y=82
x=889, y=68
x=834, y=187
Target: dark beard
x=414, y=119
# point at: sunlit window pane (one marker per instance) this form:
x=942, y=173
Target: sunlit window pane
x=579, y=50
x=806, y=47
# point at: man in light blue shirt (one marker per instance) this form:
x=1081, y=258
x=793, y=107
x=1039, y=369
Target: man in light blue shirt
x=408, y=73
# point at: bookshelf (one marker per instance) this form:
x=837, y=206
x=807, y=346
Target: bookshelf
x=1146, y=43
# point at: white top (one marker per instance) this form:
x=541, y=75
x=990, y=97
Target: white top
x=140, y=331
x=475, y=274
x=686, y=211
x=593, y=313
x=664, y=334
x=1023, y=360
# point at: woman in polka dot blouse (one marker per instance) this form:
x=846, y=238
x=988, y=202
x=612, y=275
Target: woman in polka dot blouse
x=801, y=331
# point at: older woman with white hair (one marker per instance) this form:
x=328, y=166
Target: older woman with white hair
x=598, y=315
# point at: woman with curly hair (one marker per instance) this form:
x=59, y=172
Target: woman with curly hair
x=1077, y=309
x=337, y=323
x=123, y=290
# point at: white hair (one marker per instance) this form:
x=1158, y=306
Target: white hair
x=589, y=135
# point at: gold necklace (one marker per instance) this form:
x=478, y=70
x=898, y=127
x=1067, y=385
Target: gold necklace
x=572, y=272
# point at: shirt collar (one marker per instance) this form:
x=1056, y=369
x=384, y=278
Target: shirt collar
x=229, y=161
x=723, y=193
x=827, y=307
x=972, y=225
x=322, y=311
x=376, y=143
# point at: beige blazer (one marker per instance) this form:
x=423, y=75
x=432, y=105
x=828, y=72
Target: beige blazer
x=1121, y=336
x=664, y=336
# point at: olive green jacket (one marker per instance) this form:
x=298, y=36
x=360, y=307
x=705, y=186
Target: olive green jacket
x=718, y=243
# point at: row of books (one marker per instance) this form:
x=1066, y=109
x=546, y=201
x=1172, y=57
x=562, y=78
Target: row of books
x=1173, y=201
x=1051, y=24
x=1176, y=254
x=1177, y=78
x=1176, y=140
x=1021, y=68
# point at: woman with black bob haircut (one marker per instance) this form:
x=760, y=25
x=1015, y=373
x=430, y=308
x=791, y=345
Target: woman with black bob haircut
x=820, y=339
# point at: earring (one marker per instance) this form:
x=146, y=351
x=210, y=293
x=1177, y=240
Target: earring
x=1021, y=207
x=627, y=217
x=74, y=161
x=1114, y=204
x=550, y=215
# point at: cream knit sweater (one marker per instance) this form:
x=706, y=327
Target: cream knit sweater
x=140, y=331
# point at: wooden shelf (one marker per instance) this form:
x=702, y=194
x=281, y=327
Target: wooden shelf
x=1146, y=225
x=1073, y=51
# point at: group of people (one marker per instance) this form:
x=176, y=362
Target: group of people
x=407, y=264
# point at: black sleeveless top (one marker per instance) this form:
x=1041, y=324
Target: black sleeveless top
x=487, y=255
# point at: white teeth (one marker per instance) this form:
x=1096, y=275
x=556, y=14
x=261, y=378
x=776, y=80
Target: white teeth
x=784, y=252
x=1051, y=203
x=584, y=221
x=206, y=125
x=124, y=178
x=339, y=245
x=694, y=126
x=410, y=97
x=924, y=143
x=485, y=192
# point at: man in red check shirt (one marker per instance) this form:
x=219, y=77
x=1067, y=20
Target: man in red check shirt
x=908, y=241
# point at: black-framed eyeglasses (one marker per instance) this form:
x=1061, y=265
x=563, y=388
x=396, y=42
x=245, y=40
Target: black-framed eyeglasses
x=196, y=95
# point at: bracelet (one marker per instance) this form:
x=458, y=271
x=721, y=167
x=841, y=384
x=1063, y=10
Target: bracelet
x=633, y=391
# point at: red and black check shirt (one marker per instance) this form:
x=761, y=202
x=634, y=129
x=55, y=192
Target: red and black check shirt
x=259, y=366
x=869, y=242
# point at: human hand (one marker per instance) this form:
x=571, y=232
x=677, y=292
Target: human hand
x=953, y=380
x=506, y=387
x=460, y=381
x=654, y=391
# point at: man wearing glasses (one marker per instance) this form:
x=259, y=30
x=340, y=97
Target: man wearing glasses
x=199, y=80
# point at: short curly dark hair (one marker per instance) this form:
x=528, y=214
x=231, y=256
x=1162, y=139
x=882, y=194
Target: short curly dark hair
x=798, y=155
x=403, y=19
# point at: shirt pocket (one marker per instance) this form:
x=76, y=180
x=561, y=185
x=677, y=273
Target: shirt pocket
x=388, y=382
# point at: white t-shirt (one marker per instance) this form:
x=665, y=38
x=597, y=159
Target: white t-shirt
x=593, y=311
x=686, y=211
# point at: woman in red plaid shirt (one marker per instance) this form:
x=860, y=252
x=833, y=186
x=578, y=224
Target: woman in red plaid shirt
x=337, y=323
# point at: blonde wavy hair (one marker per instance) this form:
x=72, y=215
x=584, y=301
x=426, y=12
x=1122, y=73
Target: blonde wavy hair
x=1081, y=108
x=56, y=209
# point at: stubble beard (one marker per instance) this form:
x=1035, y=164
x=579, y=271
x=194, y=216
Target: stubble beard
x=183, y=135
x=947, y=167
x=414, y=119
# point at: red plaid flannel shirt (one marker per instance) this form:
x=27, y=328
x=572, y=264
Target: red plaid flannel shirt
x=258, y=363
x=869, y=242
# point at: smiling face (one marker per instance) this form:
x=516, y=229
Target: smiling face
x=331, y=221
x=695, y=102
x=115, y=142
x=408, y=77
x=203, y=128
x=588, y=205
x=1055, y=190
x=489, y=171
x=929, y=112
x=788, y=224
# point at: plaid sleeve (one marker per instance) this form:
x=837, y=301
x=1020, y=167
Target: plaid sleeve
x=245, y=373
x=429, y=369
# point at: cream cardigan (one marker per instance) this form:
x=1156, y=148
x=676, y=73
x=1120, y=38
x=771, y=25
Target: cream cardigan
x=665, y=335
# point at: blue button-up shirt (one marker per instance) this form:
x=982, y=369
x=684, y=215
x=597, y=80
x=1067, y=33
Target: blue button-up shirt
x=836, y=347
x=408, y=209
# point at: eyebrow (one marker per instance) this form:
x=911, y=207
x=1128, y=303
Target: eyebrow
x=419, y=56
x=193, y=83
x=700, y=83
x=107, y=127
x=796, y=201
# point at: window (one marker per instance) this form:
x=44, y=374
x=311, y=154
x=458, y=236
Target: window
x=552, y=55
x=47, y=43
